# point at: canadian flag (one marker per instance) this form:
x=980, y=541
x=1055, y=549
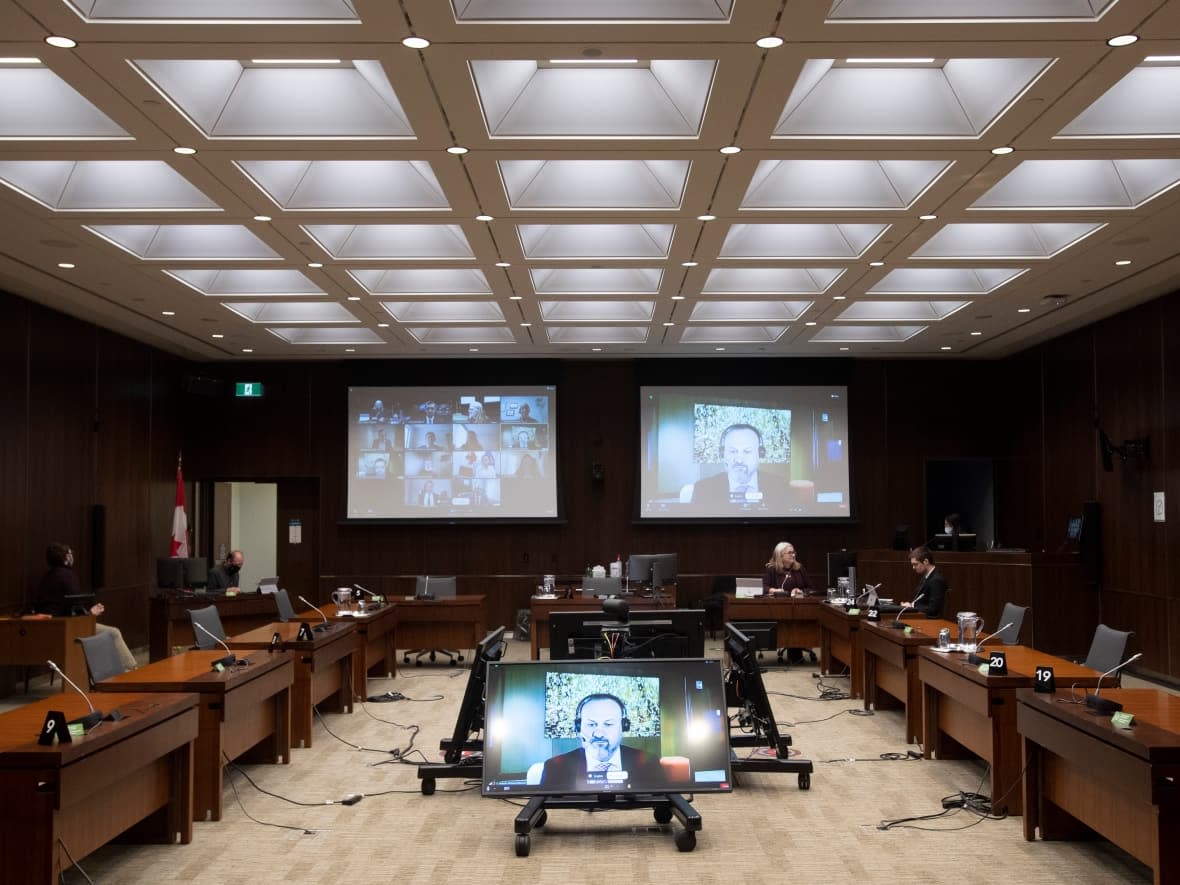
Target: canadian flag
x=179, y=520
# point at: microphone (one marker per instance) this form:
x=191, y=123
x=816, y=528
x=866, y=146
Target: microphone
x=868, y=591
x=92, y=718
x=425, y=594
x=319, y=628
x=897, y=624
x=973, y=658
x=229, y=660
x=1105, y=705
x=366, y=590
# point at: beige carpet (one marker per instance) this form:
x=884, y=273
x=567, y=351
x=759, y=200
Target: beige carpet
x=766, y=830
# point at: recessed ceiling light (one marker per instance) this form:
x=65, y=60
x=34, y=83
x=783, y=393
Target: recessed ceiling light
x=484, y=218
x=719, y=349
x=262, y=218
x=1002, y=150
x=415, y=43
x=730, y=149
x=168, y=313
x=515, y=297
x=812, y=323
x=61, y=42
x=315, y=264
x=677, y=297
x=383, y=325
x=354, y=297
x=976, y=334
x=876, y=264
x=65, y=265
x=350, y=350
x=770, y=42
x=669, y=324
x=593, y=61
x=1168, y=58
x=247, y=350
x=503, y=264
x=596, y=350
x=843, y=348
x=1121, y=40
x=689, y=263
x=889, y=61
x=1122, y=262
x=218, y=335
x=927, y=217
x=473, y=350
x=525, y=325
x=17, y=60
x=457, y=150
x=294, y=61
x=706, y=218
x=944, y=347
x=1023, y=309
x=839, y=297
x=184, y=151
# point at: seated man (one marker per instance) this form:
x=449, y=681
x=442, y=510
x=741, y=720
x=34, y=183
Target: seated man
x=600, y=721
x=740, y=450
x=227, y=575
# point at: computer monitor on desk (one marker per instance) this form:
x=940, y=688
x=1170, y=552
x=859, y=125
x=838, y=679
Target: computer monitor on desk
x=961, y=541
x=651, y=569
x=748, y=588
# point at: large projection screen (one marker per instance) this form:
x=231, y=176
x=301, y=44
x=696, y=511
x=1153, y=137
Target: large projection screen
x=743, y=453
x=452, y=453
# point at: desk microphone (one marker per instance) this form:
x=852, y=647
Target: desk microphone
x=229, y=660
x=366, y=590
x=319, y=628
x=897, y=624
x=973, y=658
x=1105, y=705
x=868, y=591
x=92, y=718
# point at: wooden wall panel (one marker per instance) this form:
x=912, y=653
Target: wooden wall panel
x=14, y=455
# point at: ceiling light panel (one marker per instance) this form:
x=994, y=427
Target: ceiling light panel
x=325, y=185
x=210, y=11
x=246, y=282
x=1081, y=184
x=445, y=335
x=186, y=242
x=748, y=311
x=588, y=11
x=104, y=185
x=841, y=184
x=865, y=334
x=596, y=280
x=337, y=335
x=581, y=241
x=596, y=334
x=293, y=312
x=811, y=241
x=899, y=311
x=1014, y=241
x=664, y=98
x=422, y=281
x=1144, y=104
x=967, y=10
x=771, y=280
x=392, y=242
x=597, y=311
x=594, y=184
x=225, y=99
x=960, y=98
x=732, y=334
x=36, y=104
x=444, y=311
x=945, y=280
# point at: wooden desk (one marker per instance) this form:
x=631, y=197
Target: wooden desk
x=452, y=622
x=1084, y=775
x=797, y=616
x=375, y=629
x=965, y=710
x=134, y=776
x=169, y=625
x=540, y=609
x=323, y=669
x=839, y=643
x=30, y=642
x=239, y=710
x=890, y=665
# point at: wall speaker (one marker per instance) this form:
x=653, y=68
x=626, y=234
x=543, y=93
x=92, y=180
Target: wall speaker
x=1090, y=542
x=98, y=546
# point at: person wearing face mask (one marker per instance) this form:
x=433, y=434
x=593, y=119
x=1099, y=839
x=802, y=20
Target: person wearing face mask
x=228, y=574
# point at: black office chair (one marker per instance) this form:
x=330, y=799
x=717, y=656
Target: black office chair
x=283, y=603
x=433, y=587
x=102, y=658
x=1013, y=615
x=714, y=603
x=1107, y=650
x=209, y=619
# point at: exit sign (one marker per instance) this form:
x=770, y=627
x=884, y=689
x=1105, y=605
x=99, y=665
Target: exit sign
x=248, y=388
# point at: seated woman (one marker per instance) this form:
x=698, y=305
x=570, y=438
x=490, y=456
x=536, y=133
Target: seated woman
x=785, y=573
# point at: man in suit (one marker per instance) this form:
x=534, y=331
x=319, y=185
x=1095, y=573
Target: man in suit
x=600, y=721
x=930, y=594
x=227, y=576
x=742, y=483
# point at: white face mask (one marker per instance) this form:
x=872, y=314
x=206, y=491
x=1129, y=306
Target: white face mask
x=946, y=529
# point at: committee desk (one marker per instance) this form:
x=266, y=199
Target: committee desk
x=31, y=641
x=890, y=665
x=540, y=607
x=840, y=642
x=454, y=622
x=323, y=667
x=132, y=777
x=964, y=708
x=170, y=627
x=375, y=627
x=796, y=617
x=1085, y=775
x=243, y=710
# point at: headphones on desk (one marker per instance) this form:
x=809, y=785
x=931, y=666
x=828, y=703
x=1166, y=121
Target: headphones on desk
x=600, y=696
x=733, y=427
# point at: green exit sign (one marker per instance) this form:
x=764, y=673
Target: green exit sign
x=248, y=388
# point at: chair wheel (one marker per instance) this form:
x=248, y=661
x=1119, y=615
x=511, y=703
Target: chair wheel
x=417, y=663
x=686, y=840
x=406, y=659
x=662, y=814
x=522, y=844
x=460, y=659
x=804, y=781
x=427, y=786
x=451, y=662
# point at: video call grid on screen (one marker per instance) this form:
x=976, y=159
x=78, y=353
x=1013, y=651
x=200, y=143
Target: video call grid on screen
x=743, y=453
x=452, y=453
x=676, y=736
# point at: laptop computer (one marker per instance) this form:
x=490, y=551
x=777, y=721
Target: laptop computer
x=748, y=588
x=268, y=585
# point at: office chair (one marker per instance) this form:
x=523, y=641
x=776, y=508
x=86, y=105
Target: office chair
x=438, y=588
x=209, y=619
x=1107, y=650
x=714, y=603
x=1014, y=615
x=102, y=658
x=283, y=602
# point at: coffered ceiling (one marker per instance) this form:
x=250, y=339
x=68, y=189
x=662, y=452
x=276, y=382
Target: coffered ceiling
x=886, y=178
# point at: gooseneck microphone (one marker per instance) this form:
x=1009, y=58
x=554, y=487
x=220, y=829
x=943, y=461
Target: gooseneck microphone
x=319, y=628
x=868, y=592
x=897, y=624
x=366, y=590
x=229, y=660
x=92, y=718
x=1105, y=705
x=973, y=658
